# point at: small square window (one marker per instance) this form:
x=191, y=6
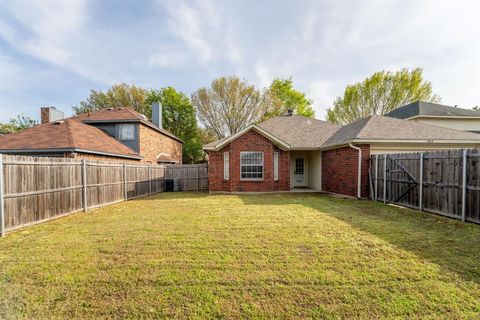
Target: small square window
x=126, y=132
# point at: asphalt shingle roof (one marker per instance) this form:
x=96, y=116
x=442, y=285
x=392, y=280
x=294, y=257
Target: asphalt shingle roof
x=420, y=108
x=305, y=133
x=386, y=128
x=76, y=133
x=67, y=134
x=300, y=132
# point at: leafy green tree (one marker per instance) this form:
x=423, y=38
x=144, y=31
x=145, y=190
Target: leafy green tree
x=118, y=95
x=380, y=94
x=17, y=124
x=178, y=114
x=178, y=117
x=229, y=105
x=285, y=98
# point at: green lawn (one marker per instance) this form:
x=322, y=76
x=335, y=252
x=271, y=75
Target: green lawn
x=193, y=255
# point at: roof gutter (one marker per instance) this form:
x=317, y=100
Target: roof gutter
x=55, y=150
x=359, y=176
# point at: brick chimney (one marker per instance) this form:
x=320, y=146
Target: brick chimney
x=50, y=114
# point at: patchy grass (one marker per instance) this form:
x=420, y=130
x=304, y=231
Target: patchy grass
x=193, y=255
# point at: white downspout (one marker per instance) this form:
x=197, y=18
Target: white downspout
x=359, y=178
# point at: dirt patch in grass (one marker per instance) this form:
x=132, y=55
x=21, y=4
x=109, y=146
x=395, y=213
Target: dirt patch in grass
x=193, y=255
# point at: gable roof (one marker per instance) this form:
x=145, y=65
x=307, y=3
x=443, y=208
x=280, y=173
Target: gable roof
x=420, y=108
x=68, y=135
x=300, y=133
x=219, y=144
x=378, y=128
x=121, y=115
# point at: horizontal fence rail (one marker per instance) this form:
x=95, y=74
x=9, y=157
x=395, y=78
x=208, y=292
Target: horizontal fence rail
x=442, y=182
x=38, y=189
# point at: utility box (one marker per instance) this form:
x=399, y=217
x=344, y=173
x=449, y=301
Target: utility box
x=169, y=185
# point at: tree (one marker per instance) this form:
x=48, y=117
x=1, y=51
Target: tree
x=380, y=94
x=17, y=124
x=178, y=117
x=118, y=95
x=285, y=98
x=229, y=105
x=178, y=114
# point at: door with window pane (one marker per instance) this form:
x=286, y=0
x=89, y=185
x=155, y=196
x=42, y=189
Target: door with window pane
x=299, y=172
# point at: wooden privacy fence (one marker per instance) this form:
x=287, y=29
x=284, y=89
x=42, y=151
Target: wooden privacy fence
x=38, y=189
x=443, y=182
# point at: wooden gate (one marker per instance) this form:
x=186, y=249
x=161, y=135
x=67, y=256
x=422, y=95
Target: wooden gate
x=442, y=182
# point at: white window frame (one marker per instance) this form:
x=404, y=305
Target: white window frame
x=246, y=165
x=226, y=165
x=275, y=166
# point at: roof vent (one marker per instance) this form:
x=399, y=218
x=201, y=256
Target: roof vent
x=59, y=122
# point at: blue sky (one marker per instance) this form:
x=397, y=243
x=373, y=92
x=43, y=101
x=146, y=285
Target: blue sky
x=53, y=52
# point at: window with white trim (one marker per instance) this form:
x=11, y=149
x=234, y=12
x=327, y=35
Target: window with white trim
x=226, y=166
x=251, y=165
x=275, y=166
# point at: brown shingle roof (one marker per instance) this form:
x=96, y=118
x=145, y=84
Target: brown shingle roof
x=300, y=132
x=386, y=128
x=67, y=134
x=305, y=133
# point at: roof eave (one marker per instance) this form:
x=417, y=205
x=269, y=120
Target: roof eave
x=429, y=141
x=443, y=117
x=281, y=144
x=54, y=150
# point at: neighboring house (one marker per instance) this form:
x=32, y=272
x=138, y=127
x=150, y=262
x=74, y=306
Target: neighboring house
x=119, y=134
x=440, y=115
x=291, y=151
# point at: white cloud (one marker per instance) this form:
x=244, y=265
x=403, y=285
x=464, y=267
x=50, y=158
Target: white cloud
x=264, y=78
x=189, y=24
x=320, y=91
x=323, y=45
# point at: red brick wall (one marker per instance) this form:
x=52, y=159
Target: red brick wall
x=44, y=115
x=250, y=141
x=340, y=170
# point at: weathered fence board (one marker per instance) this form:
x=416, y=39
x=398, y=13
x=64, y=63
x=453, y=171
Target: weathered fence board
x=36, y=189
x=443, y=182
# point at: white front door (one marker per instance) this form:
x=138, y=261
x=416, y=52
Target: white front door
x=299, y=172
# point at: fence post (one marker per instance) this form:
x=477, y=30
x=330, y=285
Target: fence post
x=420, y=191
x=385, y=179
x=376, y=177
x=150, y=179
x=2, y=204
x=464, y=185
x=125, y=187
x=84, y=180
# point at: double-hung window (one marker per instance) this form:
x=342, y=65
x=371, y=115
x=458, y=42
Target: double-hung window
x=251, y=165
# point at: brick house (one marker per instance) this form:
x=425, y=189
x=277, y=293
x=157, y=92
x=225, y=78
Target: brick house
x=289, y=152
x=116, y=134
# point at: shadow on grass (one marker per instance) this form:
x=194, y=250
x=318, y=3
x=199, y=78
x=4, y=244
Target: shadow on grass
x=451, y=244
